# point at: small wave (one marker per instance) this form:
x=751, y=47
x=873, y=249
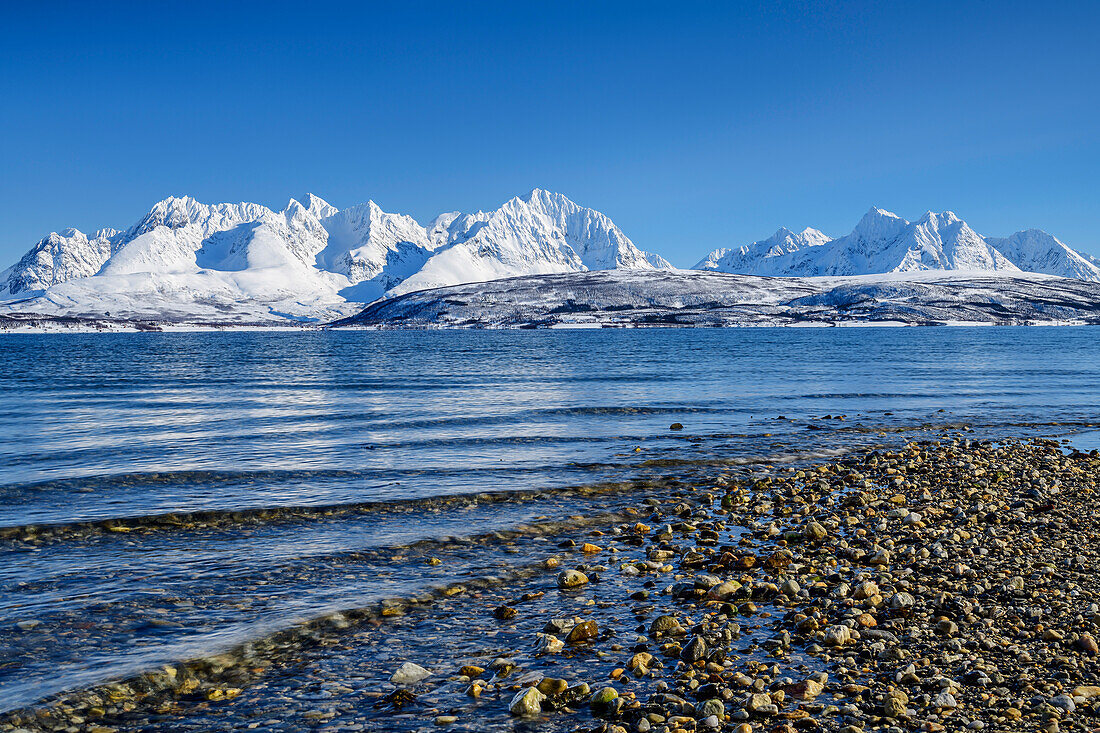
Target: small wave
x=749, y=460
x=210, y=653
x=285, y=514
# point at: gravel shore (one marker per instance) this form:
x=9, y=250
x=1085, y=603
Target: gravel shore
x=940, y=586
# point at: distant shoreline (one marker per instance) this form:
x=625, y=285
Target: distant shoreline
x=196, y=328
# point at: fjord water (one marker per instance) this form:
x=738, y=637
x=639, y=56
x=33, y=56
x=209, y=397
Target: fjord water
x=97, y=428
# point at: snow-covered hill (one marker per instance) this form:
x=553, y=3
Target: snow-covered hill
x=884, y=242
x=188, y=261
x=694, y=298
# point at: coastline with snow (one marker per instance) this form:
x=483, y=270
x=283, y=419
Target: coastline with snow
x=709, y=299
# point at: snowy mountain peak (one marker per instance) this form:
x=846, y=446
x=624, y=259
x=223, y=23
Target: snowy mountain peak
x=295, y=208
x=884, y=242
x=790, y=241
x=538, y=233
x=556, y=206
x=171, y=212
x=363, y=241
x=539, y=200
x=879, y=224
x=183, y=211
x=940, y=221
x=442, y=223
x=312, y=205
x=318, y=206
x=179, y=210
x=59, y=257
x=541, y=194
x=1036, y=251
x=762, y=256
x=814, y=236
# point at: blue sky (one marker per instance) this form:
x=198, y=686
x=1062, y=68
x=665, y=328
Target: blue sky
x=693, y=125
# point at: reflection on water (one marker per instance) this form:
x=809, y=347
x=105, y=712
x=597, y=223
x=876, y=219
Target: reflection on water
x=100, y=427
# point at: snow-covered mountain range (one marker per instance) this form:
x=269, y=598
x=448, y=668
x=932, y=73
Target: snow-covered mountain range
x=762, y=257
x=310, y=261
x=883, y=242
x=190, y=262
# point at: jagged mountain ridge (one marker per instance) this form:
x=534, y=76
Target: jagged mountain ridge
x=883, y=242
x=58, y=257
x=1034, y=250
x=312, y=253
x=233, y=263
x=762, y=256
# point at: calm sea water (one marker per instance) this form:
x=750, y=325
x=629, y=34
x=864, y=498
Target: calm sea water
x=134, y=426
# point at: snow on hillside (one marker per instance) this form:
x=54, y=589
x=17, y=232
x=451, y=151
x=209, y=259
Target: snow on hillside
x=884, y=242
x=1034, y=250
x=372, y=249
x=621, y=298
x=233, y=262
x=189, y=262
x=60, y=257
x=540, y=233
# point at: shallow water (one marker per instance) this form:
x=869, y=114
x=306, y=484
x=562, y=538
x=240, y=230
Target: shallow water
x=133, y=426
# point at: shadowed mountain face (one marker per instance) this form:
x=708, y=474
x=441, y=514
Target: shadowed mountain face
x=686, y=298
x=883, y=242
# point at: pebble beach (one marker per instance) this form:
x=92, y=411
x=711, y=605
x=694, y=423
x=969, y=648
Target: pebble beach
x=939, y=585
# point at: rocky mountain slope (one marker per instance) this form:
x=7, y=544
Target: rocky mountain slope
x=693, y=298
